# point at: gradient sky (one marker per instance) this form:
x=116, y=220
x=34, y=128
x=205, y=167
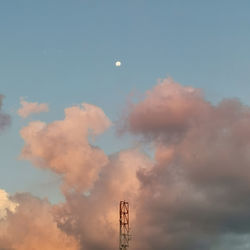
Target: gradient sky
x=63, y=53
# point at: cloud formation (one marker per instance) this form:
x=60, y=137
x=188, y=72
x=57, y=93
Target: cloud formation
x=32, y=226
x=167, y=110
x=193, y=194
x=29, y=108
x=4, y=118
x=94, y=218
x=63, y=147
x=197, y=192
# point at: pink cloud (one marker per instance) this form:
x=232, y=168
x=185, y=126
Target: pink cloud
x=192, y=194
x=29, y=108
x=190, y=198
x=63, y=147
x=32, y=226
x=167, y=107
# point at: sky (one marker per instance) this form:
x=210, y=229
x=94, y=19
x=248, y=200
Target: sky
x=61, y=54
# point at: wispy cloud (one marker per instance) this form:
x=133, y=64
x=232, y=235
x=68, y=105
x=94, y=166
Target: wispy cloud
x=29, y=108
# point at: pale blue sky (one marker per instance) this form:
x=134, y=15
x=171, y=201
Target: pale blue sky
x=63, y=51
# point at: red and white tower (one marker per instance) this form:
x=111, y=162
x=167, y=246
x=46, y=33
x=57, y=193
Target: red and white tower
x=124, y=225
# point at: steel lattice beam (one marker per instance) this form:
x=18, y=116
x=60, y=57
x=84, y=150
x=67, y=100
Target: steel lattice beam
x=124, y=225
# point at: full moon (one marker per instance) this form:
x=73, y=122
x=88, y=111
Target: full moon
x=118, y=63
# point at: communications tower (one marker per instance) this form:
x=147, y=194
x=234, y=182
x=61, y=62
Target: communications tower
x=124, y=225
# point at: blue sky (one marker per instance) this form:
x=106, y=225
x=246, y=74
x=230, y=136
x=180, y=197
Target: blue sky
x=63, y=53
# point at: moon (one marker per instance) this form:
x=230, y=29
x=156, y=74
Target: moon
x=118, y=63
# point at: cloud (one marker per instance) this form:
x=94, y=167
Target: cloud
x=29, y=108
x=63, y=147
x=4, y=118
x=167, y=110
x=197, y=192
x=32, y=226
x=6, y=204
x=94, y=218
x=192, y=195
x=81, y=222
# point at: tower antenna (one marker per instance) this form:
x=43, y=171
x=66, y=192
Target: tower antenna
x=124, y=225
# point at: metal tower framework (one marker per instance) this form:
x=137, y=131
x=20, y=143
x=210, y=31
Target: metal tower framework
x=124, y=225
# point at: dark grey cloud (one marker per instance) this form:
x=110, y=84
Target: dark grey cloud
x=4, y=118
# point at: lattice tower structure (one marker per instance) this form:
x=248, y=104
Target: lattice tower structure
x=124, y=225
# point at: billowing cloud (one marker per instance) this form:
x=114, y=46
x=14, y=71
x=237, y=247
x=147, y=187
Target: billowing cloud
x=193, y=194
x=196, y=195
x=94, y=218
x=86, y=222
x=32, y=226
x=63, y=146
x=4, y=118
x=6, y=205
x=29, y=108
x=167, y=111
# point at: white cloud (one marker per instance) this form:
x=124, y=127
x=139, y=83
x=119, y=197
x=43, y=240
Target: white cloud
x=6, y=204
